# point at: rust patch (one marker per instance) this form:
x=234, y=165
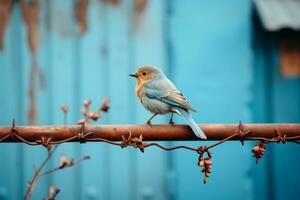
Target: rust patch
x=290, y=56
x=30, y=14
x=140, y=5
x=112, y=2
x=81, y=15
x=139, y=8
x=32, y=111
x=5, y=13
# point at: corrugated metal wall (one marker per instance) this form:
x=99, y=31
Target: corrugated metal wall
x=205, y=47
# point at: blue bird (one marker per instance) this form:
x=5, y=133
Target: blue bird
x=160, y=96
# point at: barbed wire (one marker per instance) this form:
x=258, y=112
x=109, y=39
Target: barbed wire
x=127, y=140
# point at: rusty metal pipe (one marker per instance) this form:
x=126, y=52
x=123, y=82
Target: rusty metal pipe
x=153, y=133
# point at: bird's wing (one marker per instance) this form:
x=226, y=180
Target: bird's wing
x=165, y=91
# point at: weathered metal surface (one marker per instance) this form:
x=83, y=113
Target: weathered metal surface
x=150, y=133
x=199, y=44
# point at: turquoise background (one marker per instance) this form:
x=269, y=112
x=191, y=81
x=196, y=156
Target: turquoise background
x=226, y=65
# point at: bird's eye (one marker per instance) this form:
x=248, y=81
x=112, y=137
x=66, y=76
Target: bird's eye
x=144, y=73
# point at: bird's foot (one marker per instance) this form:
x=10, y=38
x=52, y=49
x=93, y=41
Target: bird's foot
x=171, y=122
x=149, y=123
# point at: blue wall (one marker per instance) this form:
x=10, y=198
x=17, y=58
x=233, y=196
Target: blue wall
x=205, y=47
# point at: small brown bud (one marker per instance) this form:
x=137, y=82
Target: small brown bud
x=87, y=103
x=105, y=105
x=63, y=161
x=93, y=115
x=258, y=151
x=65, y=108
x=82, y=122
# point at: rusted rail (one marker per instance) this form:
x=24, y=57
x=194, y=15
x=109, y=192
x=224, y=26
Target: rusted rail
x=137, y=135
x=59, y=134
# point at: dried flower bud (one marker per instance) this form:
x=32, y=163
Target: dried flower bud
x=105, y=105
x=65, y=108
x=63, y=161
x=205, y=164
x=201, y=163
x=258, y=151
x=87, y=103
x=93, y=115
x=82, y=122
x=53, y=191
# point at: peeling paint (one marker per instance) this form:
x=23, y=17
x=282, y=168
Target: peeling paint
x=5, y=13
x=112, y=2
x=30, y=14
x=81, y=15
x=140, y=5
x=290, y=56
x=32, y=111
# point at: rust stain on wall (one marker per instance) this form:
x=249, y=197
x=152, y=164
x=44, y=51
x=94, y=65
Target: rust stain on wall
x=30, y=14
x=5, y=13
x=290, y=56
x=139, y=8
x=81, y=15
x=112, y=2
x=140, y=5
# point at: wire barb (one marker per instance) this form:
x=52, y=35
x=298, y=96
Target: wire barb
x=13, y=131
x=45, y=143
x=280, y=137
x=81, y=135
x=242, y=133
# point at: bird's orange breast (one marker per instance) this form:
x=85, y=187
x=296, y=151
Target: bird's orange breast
x=139, y=89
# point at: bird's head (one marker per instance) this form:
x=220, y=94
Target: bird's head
x=147, y=73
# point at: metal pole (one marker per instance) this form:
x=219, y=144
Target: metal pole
x=77, y=133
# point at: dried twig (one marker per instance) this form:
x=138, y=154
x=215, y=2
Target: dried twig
x=53, y=192
x=64, y=163
x=65, y=109
x=37, y=174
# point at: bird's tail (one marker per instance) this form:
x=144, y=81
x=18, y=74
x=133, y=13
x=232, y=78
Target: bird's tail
x=196, y=129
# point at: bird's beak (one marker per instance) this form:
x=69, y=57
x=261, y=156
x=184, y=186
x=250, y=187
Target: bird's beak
x=133, y=75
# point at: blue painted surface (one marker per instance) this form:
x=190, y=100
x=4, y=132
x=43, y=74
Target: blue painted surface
x=211, y=54
x=206, y=49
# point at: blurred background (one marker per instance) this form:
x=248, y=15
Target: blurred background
x=234, y=60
